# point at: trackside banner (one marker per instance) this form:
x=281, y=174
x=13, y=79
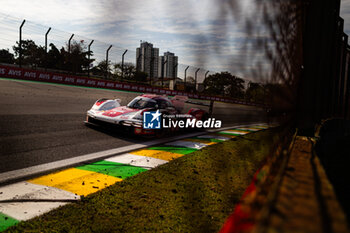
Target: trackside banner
x=34, y=75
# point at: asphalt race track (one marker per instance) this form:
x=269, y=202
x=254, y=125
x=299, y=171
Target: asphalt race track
x=41, y=123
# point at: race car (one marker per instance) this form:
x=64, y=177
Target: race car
x=109, y=112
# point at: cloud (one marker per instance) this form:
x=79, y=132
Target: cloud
x=206, y=33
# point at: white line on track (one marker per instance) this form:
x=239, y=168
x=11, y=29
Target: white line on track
x=38, y=169
x=31, y=199
x=233, y=132
x=249, y=129
x=208, y=136
x=188, y=144
x=137, y=160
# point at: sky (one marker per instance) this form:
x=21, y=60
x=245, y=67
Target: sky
x=202, y=33
x=208, y=34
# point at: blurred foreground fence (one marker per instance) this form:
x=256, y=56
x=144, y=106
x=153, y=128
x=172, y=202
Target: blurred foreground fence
x=40, y=48
x=305, y=44
x=324, y=85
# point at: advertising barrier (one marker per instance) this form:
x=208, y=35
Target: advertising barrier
x=52, y=77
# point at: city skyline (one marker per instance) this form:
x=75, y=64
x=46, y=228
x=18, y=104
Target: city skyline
x=147, y=58
x=170, y=66
x=148, y=61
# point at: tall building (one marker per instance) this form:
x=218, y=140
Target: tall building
x=147, y=59
x=170, y=67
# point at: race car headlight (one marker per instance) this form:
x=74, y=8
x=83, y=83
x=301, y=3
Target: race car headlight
x=138, y=117
x=129, y=114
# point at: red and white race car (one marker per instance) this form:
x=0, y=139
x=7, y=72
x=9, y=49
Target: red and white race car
x=109, y=112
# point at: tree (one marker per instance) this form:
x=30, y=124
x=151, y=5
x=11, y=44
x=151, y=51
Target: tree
x=32, y=54
x=140, y=76
x=6, y=56
x=255, y=92
x=235, y=87
x=224, y=83
x=100, y=69
x=189, y=87
x=54, y=58
x=129, y=70
x=190, y=79
x=76, y=57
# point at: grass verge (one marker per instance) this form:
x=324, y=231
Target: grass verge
x=195, y=193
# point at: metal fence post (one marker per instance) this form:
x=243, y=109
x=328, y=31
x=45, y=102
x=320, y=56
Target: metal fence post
x=195, y=80
x=89, y=51
x=123, y=64
x=107, y=60
x=175, y=67
x=20, y=43
x=70, y=39
x=69, y=56
x=46, y=47
x=205, y=76
x=185, y=77
x=211, y=108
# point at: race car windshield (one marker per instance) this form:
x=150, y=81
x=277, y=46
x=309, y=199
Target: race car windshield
x=109, y=105
x=141, y=103
x=106, y=106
